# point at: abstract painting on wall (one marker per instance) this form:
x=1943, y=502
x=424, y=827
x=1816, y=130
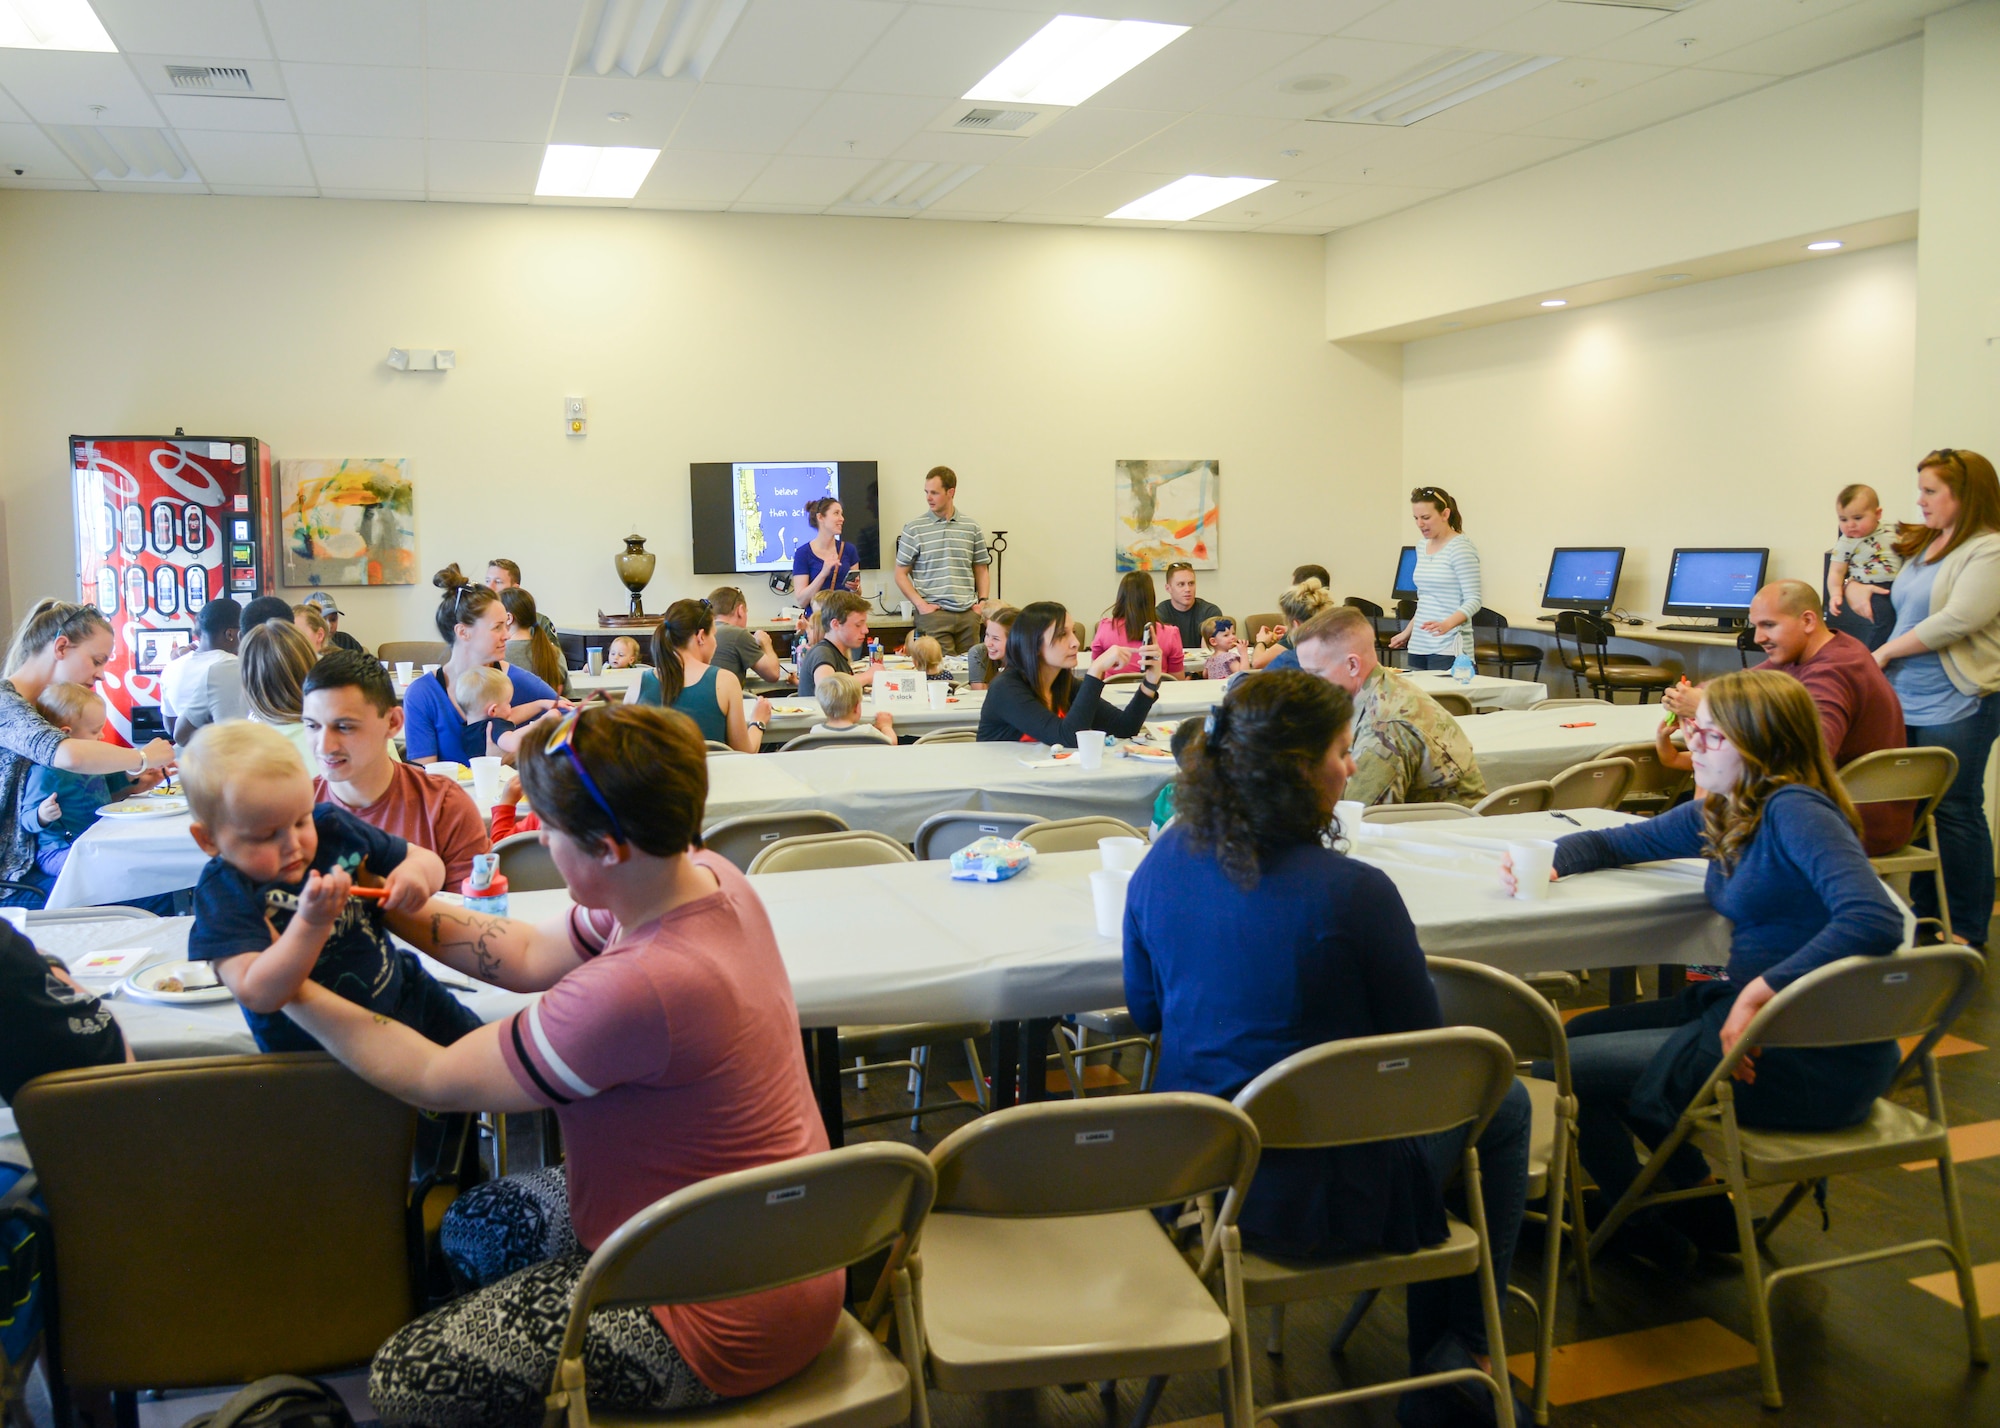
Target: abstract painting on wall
x=1166, y=511
x=348, y=521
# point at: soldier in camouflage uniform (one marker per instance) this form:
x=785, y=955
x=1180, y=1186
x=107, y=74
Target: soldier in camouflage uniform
x=1407, y=749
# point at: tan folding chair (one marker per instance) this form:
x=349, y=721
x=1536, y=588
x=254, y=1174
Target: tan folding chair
x=716, y=746
x=1074, y=1048
x=1654, y=786
x=1600, y=783
x=1076, y=835
x=814, y=739
x=416, y=652
x=1921, y=776
x=526, y=864
x=1376, y=1088
x=949, y=736
x=1415, y=812
x=1456, y=705
x=1061, y=1193
x=849, y=848
x=265, y=1198
x=1853, y=1002
x=942, y=834
x=743, y=1233
x=1475, y=995
x=741, y=839
x=1535, y=797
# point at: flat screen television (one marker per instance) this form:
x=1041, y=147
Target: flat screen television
x=1583, y=577
x=1714, y=584
x=1405, y=587
x=749, y=517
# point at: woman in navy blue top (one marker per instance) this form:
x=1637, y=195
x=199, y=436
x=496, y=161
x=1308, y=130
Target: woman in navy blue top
x=476, y=626
x=826, y=562
x=1786, y=868
x=1248, y=938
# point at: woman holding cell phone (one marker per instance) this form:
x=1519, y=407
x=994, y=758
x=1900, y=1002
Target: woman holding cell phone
x=1131, y=624
x=1039, y=697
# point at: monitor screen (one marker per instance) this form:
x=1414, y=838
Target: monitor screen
x=1583, y=577
x=749, y=517
x=1716, y=583
x=1406, y=575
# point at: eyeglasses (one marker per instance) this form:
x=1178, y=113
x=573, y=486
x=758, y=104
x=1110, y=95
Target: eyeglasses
x=1703, y=738
x=563, y=741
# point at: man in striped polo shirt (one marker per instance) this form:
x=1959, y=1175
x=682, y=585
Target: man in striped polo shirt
x=942, y=564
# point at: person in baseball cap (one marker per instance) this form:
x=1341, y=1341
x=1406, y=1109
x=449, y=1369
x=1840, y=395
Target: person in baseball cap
x=330, y=612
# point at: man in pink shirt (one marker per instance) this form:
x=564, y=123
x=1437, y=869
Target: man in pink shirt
x=352, y=714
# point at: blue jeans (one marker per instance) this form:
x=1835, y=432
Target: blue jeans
x=1431, y=661
x=1609, y=1049
x=1965, y=843
x=1452, y=1305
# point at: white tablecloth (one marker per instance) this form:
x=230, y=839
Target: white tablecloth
x=1522, y=745
x=933, y=949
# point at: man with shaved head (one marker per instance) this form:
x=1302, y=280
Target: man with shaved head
x=1858, y=710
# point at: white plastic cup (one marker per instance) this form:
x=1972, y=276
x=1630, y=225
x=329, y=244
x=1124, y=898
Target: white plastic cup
x=1347, y=813
x=1121, y=854
x=1107, y=895
x=486, y=781
x=1090, y=748
x=1533, y=862
x=430, y=669
x=405, y=671
x=594, y=657
x=937, y=691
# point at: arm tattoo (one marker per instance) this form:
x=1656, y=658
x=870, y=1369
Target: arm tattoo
x=471, y=938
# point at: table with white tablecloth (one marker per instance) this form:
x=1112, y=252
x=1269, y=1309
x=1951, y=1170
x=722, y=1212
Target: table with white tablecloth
x=1523, y=745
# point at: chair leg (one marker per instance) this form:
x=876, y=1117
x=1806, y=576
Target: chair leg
x=1148, y=1401
x=981, y=1097
x=1489, y=1297
x=1961, y=1257
x=1274, y=1335
x=1356, y=1312
x=1944, y=905
x=1753, y=1266
x=910, y=1340
x=1579, y=1228
x=919, y=1081
x=1785, y=1207
x=1545, y=1325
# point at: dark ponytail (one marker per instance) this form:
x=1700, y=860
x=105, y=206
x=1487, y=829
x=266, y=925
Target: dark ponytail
x=683, y=621
x=464, y=603
x=1024, y=651
x=545, y=656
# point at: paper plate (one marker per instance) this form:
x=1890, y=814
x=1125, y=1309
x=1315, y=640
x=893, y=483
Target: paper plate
x=144, y=806
x=145, y=984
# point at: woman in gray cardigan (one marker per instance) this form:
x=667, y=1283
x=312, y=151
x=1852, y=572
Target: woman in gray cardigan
x=1944, y=660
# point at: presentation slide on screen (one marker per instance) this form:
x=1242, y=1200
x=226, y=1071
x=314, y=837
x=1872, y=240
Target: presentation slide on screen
x=771, y=499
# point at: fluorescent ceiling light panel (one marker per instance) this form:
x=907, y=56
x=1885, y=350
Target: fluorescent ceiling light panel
x=1440, y=84
x=1190, y=197
x=1555, y=302
x=583, y=171
x=52, y=25
x=1825, y=245
x=1071, y=58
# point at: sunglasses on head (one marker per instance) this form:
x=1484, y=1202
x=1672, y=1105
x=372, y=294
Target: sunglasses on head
x=563, y=741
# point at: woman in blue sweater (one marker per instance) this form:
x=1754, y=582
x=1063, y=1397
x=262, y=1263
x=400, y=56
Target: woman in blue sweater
x=1785, y=866
x=1247, y=939
x=476, y=626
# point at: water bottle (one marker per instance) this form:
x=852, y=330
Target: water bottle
x=1461, y=668
x=875, y=650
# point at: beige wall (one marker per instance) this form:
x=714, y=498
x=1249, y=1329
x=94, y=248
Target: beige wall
x=1028, y=358
x=1726, y=413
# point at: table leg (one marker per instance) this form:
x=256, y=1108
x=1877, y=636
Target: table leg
x=1624, y=985
x=1673, y=979
x=1005, y=1064
x=823, y=1063
x=1035, y=1035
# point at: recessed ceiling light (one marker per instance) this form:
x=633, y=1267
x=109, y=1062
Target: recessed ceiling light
x=1825, y=245
x=1555, y=302
x=618, y=116
x=1071, y=58
x=1672, y=277
x=52, y=25
x=583, y=171
x=1190, y=197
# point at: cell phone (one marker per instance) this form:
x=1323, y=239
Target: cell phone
x=1149, y=634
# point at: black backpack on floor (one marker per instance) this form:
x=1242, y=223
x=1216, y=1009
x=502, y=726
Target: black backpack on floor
x=279, y=1401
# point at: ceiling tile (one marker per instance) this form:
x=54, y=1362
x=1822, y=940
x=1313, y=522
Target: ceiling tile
x=941, y=52
x=1002, y=190
x=150, y=186
x=1085, y=138
x=8, y=179
x=217, y=29
x=203, y=111
x=462, y=167
x=693, y=177
x=798, y=179
x=1358, y=204
x=1561, y=27
x=737, y=118
x=24, y=145
x=385, y=32
x=800, y=44
x=373, y=194
x=494, y=108
x=1092, y=195
x=1304, y=17
x=61, y=86
x=1497, y=156
x=261, y=190
x=655, y=107
x=937, y=146
x=1280, y=200
x=1853, y=31
x=378, y=165
x=10, y=112
x=1387, y=154
x=361, y=100
x=1336, y=69
x=1437, y=22
x=1678, y=91
x=1543, y=95
x=1208, y=144
x=862, y=126
x=1199, y=67
x=233, y=157
x=513, y=36
x=1698, y=34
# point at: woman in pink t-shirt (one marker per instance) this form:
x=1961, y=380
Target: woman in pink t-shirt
x=668, y=1045
x=1133, y=613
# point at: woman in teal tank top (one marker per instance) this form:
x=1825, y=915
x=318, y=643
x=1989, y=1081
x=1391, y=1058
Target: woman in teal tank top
x=683, y=678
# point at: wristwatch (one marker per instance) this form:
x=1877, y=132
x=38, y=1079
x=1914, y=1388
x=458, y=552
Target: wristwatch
x=759, y=726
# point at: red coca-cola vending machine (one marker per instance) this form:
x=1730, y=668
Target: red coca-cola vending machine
x=164, y=524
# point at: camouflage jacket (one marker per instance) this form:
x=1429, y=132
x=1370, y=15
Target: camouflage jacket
x=1407, y=749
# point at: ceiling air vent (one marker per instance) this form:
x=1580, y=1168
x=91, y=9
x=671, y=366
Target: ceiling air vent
x=996, y=121
x=209, y=78
x=1440, y=83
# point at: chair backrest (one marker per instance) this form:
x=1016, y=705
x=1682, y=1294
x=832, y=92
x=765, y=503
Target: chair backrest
x=1534, y=797
x=1457, y=705
x=1865, y=999
x=263, y=1198
x=417, y=652
x=1902, y=775
x=1601, y=783
x=1473, y=994
x=1374, y=1088
x=1414, y=812
x=1649, y=775
x=1129, y=677
x=1574, y=704
x=1406, y=609
x=1746, y=641
x=949, y=736
x=116, y=912
x=1586, y=629
x=1366, y=607
x=1488, y=618
x=1076, y=835
x=716, y=746
x=850, y=848
x=814, y=739
x=1253, y=623
x=527, y=864
x=741, y=839
x=942, y=834
x=1096, y=1157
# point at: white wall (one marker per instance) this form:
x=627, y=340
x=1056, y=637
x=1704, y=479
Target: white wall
x=1726, y=413
x=1028, y=358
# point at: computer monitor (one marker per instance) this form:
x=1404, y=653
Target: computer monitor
x=1405, y=587
x=1714, y=584
x=1583, y=577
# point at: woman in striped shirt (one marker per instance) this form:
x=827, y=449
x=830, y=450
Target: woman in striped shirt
x=1447, y=580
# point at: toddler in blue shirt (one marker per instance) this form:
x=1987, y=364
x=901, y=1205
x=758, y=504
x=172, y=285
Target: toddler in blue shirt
x=57, y=805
